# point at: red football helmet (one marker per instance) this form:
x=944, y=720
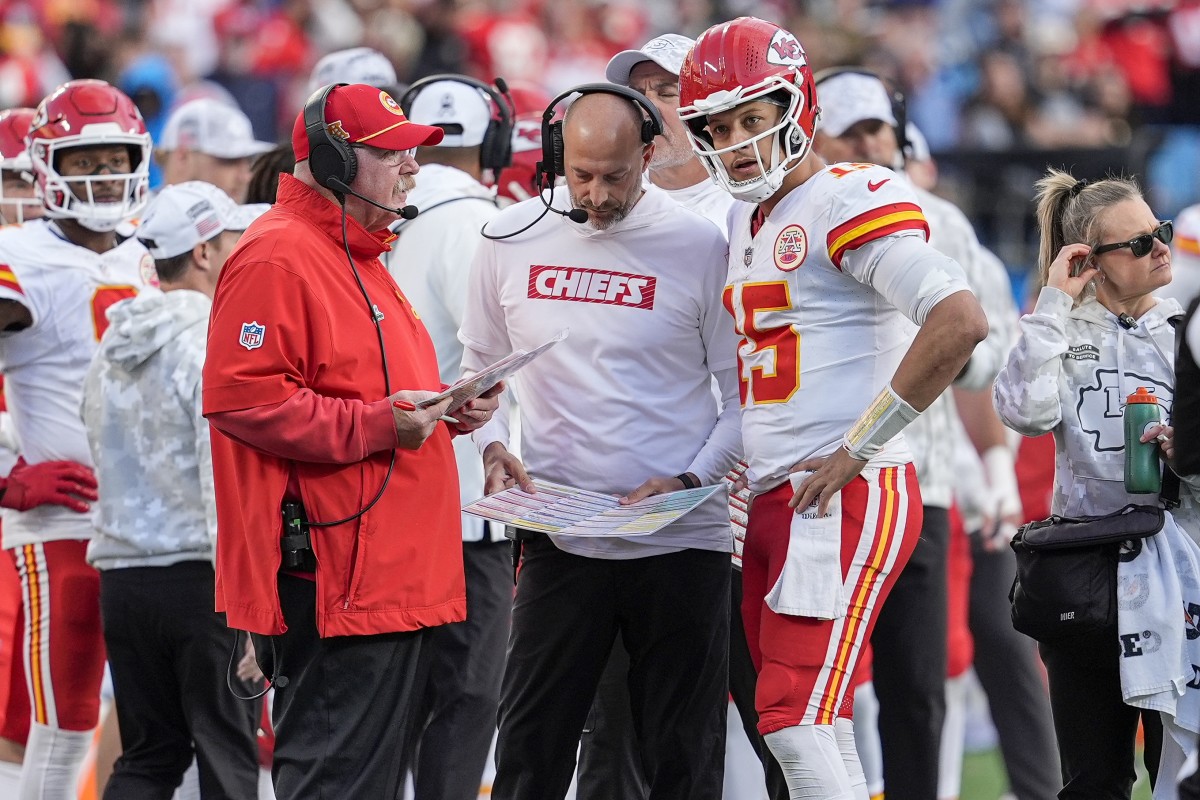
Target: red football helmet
x=734, y=63
x=89, y=113
x=517, y=181
x=16, y=165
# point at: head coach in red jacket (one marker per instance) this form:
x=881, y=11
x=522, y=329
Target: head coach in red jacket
x=337, y=498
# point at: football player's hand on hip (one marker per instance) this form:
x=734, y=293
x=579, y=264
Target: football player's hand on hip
x=59, y=483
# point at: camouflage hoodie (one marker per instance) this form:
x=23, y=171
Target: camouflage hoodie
x=1070, y=373
x=141, y=406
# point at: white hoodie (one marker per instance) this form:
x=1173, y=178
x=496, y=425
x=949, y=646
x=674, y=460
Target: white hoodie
x=431, y=260
x=149, y=441
x=1070, y=373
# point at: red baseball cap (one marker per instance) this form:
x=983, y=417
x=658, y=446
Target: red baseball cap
x=362, y=114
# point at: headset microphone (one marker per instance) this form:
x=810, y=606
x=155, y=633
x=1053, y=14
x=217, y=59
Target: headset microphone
x=575, y=214
x=407, y=212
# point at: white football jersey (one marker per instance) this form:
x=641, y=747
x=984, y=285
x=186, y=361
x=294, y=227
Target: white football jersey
x=820, y=339
x=67, y=289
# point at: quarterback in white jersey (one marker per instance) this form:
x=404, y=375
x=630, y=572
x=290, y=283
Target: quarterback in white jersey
x=90, y=156
x=800, y=294
x=822, y=276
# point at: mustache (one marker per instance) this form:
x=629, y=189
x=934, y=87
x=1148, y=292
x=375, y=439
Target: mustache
x=406, y=183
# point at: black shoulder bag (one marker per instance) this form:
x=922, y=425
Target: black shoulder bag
x=1066, y=582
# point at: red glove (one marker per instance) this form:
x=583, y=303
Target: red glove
x=62, y=483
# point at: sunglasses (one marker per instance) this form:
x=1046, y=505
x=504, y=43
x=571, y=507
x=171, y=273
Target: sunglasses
x=1141, y=245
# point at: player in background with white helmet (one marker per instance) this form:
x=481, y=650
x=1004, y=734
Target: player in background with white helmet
x=826, y=272
x=90, y=154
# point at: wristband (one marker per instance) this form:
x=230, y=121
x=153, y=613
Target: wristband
x=887, y=415
x=688, y=481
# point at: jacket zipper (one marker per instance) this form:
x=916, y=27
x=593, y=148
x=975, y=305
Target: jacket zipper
x=350, y=573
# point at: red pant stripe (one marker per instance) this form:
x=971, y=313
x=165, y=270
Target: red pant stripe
x=884, y=535
x=34, y=646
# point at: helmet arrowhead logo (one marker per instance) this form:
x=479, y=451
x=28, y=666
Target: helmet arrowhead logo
x=785, y=50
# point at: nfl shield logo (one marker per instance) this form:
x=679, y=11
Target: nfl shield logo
x=748, y=256
x=252, y=335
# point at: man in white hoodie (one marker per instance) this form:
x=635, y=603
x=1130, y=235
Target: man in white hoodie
x=461, y=664
x=623, y=406
x=156, y=527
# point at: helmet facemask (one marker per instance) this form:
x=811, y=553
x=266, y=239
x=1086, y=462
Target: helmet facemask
x=790, y=141
x=74, y=197
x=15, y=210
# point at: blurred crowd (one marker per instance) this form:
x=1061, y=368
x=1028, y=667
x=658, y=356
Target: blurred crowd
x=985, y=74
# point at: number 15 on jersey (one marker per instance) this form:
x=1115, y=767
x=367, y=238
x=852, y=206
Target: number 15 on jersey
x=768, y=357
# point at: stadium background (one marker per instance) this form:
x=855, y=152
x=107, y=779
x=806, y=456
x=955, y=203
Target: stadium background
x=1000, y=88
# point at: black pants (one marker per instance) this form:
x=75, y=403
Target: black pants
x=610, y=756
x=1189, y=787
x=459, y=676
x=168, y=652
x=1007, y=665
x=910, y=666
x=343, y=704
x=672, y=613
x=609, y=764
x=1096, y=731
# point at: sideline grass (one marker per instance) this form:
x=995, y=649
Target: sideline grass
x=984, y=779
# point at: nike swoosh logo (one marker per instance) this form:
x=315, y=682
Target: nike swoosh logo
x=874, y=185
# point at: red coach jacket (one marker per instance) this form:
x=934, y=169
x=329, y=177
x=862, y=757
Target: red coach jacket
x=294, y=390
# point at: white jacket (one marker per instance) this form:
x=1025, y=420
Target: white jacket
x=431, y=260
x=1070, y=373
x=149, y=441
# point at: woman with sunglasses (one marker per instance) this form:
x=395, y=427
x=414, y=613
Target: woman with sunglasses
x=1096, y=334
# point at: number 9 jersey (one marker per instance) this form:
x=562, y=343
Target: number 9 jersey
x=67, y=289
x=826, y=305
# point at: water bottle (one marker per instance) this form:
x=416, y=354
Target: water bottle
x=1143, y=473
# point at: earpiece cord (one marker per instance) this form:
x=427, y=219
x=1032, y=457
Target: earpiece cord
x=270, y=682
x=483, y=232
x=387, y=382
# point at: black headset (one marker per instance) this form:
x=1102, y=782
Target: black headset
x=552, y=164
x=899, y=105
x=495, y=151
x=328, y=156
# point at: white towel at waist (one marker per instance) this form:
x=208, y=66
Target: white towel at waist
x=810, y=583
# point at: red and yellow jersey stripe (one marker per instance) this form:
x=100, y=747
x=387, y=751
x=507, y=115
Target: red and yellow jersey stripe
x=8, y=280
x=872, y=225
x=1188, y=244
